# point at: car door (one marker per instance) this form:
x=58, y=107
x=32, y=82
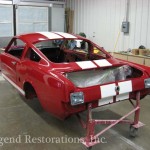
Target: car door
x=11, y=58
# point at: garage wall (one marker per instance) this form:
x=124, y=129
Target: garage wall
x=57, y=18
x=101, y=21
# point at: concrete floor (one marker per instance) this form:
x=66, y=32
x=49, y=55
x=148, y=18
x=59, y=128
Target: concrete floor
x=19, y=118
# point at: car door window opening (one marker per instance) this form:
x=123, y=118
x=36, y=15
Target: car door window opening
x=16, y=48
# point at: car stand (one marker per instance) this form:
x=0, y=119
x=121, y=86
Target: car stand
x=91, y=138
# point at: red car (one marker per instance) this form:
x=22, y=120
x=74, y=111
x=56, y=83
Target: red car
x=70, y=74
x=66, y=72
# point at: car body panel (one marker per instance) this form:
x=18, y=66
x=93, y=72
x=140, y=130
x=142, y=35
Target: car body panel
x=49, y=79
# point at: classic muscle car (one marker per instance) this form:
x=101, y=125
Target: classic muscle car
x=66, y=72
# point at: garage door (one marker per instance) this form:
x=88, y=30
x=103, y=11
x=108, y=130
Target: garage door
x=31, y=19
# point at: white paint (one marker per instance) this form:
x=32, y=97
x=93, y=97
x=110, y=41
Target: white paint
x=103, y=19
x=123, y=96
x=12, y=83
x=102, y=63
x=57, y=19
x=108, y=90
x=50, y=35
x=125, y=87
x=86, y=64
x=105, y=101
x=66, y=35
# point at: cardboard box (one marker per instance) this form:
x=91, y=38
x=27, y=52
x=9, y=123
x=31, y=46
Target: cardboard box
x=144, y=52
x=135, y=51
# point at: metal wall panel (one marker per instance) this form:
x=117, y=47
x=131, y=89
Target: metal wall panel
x=57, y=19
x=101, y=21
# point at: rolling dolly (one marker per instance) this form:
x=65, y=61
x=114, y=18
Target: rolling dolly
x=91, y=138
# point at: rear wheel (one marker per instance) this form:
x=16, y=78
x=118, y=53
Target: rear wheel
x=29, y=91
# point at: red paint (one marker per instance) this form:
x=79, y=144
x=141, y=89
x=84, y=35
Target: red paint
x=49, y=82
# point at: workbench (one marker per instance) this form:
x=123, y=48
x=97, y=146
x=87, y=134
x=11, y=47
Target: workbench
x=139, y=59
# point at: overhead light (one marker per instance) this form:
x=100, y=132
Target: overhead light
x=50, y=5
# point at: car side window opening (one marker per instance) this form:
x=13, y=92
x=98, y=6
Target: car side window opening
x=32, y=55
x=16, y=48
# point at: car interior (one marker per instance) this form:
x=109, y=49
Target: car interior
x=70, y=51
x=17, y=52
x=58, y=55
x=16, y=48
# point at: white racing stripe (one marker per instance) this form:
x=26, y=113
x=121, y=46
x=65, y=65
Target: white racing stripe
x=86, y=64
x=16, y=86
x=125, y=86
x=108, y=90
x=102, y=63
x=66, y=35
x=50, y=35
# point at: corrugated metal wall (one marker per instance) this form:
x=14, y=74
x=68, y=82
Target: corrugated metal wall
x=101, y=20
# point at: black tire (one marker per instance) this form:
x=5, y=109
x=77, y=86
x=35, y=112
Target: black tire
x=89, y=148
x=133, y=131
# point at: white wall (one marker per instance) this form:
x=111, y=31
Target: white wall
x=57, y=19
x=103, y=19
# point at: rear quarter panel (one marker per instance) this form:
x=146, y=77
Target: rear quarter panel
x=49, y=88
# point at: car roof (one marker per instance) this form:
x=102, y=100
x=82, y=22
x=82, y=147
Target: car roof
x=41, y=36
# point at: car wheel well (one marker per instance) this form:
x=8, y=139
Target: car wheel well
x=29, y=91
